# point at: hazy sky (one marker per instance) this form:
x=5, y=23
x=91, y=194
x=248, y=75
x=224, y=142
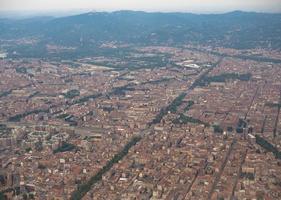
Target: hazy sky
x=147, y=5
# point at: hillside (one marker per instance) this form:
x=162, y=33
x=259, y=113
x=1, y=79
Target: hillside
x=237, y=29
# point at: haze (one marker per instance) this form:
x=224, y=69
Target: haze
x=208, y=6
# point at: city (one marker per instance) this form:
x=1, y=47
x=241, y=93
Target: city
x=173, y=122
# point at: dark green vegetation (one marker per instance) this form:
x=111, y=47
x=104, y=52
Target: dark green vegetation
x=65, y=147
x=2, y=196
x=217, y=129
x=241, y=125
x=18, y=117
x=172, y=108
x=183, y=119
x=63, y=116
x=107, y=109
x=28, y=149
x=179, y=100
x=71, y=94
x=3, y=127
x=85, y=187
x=273, y=105
x=33, y=94
x=86, y=98
x=21, y=70
x=198, y=82
x=4, y=130
x=229, y=128
x=258, y=58
x=121, y=91
x=268, y=146
x=6, y=93
x=70, y=119
x=86, y=32
x=224, y=77
x=247, y=175
x=163, y=80
x=176, y=103
x=188, y=106
x=39, y=145
x=14, y=191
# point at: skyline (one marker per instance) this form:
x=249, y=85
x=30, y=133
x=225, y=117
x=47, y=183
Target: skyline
x=74, y=6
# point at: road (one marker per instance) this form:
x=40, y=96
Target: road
x=232, y=197
x=218, y=175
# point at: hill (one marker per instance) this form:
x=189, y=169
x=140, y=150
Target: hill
x=240, y=30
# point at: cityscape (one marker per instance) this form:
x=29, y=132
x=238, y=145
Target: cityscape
x=123, y=120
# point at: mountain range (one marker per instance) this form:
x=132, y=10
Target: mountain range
x=240, y=30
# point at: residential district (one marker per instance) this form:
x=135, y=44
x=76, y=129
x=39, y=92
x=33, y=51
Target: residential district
x=205, y=126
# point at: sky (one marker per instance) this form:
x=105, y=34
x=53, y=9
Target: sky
x=196, y=6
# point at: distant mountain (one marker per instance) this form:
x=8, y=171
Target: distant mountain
x=236, y=29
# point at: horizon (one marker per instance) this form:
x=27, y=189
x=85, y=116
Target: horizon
x=73, y=7
x=68, y=13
